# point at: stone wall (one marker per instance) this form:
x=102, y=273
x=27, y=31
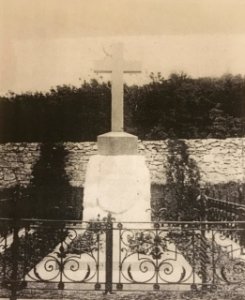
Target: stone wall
x=217, y=160
x=16, y=163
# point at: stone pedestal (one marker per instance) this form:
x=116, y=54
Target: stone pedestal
x=117, y=181
x=117, y=143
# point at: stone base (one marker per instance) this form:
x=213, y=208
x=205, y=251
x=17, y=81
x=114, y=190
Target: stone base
x=119, y=185
x=117, y=143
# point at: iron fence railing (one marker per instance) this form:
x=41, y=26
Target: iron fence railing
x=221, y=210
x=203, y=208
x=108, y=256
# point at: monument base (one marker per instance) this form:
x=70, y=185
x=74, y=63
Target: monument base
x=117, y=143
x=119, y=185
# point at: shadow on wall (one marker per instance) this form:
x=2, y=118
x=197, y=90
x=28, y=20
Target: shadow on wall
x=178, y=196
x=49, y=194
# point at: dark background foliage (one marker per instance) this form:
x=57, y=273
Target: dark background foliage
x=176, y=107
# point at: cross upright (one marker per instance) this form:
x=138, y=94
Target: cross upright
x=116, y=65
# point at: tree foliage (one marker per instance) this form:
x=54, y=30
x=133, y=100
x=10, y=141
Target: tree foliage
x=176, y=107
x=182, y=184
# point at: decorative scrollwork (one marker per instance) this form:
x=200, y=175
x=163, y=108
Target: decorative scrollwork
x=176, y=253
x=170, y=271
x=144, y=241
x=138, y=269
x=230, y=267
x=74, y=259
x=46, y=270
x=79, y=269
x=151, y=256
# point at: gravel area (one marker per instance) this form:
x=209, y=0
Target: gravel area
x=160, y=295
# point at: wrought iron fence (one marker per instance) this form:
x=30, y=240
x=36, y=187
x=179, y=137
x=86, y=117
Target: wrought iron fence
x=221, y=210
x=108, y=256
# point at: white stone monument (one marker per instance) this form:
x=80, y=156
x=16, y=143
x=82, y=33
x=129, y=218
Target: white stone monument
x=117, y=179
x=117, y=182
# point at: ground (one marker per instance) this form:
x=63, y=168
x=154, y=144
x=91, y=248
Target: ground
x=147, y=295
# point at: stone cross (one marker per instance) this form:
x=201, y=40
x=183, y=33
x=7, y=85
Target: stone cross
x=116, y=65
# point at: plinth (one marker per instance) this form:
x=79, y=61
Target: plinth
x=117, y=143
x=117, y=181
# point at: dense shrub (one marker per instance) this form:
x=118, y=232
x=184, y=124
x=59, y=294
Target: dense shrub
x=176, y=107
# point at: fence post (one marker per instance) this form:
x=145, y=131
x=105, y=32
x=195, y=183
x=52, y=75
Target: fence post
x=14, y=252
x=16, y=282
x=15, y=246
x=202, y=201
x=109, y=254
x=203, y=244
x=204, y=256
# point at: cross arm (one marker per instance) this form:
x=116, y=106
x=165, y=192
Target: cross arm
x=103, y=66
x=132, y=67
x=107, y=65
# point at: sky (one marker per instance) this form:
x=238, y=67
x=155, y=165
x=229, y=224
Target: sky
x=45, y=43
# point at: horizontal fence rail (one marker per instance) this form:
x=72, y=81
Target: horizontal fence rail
x=107, y=256
x=221, y=210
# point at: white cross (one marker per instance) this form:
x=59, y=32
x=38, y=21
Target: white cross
x=116, y=65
